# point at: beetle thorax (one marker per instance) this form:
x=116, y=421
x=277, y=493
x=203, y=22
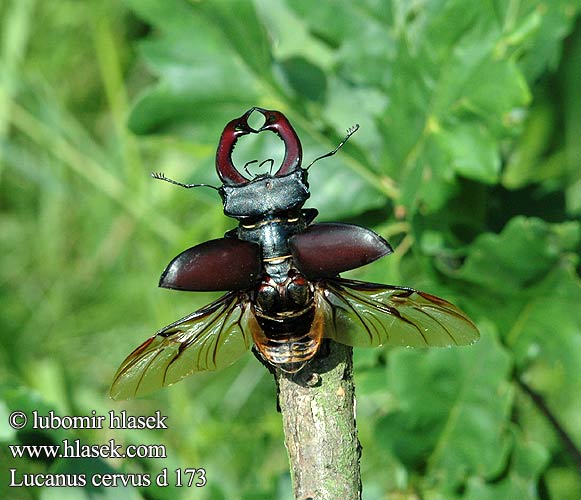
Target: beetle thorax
x=272, y=234
x=266, y=195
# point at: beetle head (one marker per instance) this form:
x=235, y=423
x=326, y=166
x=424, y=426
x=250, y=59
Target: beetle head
x=274, y=121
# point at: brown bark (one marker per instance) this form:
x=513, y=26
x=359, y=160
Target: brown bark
x=318, y=411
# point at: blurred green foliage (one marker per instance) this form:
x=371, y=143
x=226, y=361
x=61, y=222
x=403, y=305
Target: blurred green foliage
x=468, y=160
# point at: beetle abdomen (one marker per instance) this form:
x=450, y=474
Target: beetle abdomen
x=288, y=341
x=290, y=355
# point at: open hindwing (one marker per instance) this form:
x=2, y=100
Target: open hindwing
x=208, y=339
x=362, y=314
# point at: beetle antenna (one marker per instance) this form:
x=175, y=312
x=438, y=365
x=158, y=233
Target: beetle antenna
x=350, y=132
x=160, y=176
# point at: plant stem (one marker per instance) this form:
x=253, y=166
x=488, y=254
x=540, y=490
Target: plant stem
x=563, y=434
x=318, y=412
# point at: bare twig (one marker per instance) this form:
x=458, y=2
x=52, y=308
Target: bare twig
x=318, y=411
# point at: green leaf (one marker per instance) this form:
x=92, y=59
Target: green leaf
x=452, y=405
x=452, y=98
x=545, y=338
x=197, y=70
x=525, y=251
x=208, y=59
x=563, y=483
x=572, y=112
x=526, y=464
x=527, y=285
x=360, y=33
x=471, y=150
x=543, y=50
x=522, y=163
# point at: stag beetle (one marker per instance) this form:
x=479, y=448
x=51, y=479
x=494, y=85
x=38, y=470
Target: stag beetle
x=281, y=274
